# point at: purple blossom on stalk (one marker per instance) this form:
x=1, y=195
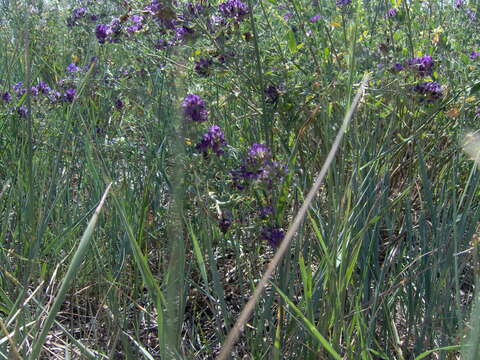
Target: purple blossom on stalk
x=315, y=18
x=477, y=113
x=194, y=9
x=234, y=9
x=258, y=166
x=194, y=108
x=342, y=3
x=272, y=235
x=272, y=94
x=472, y=15
x=225, y=222
x=34, y=90
x=459, y=3
x=54, y=96
x=19, y=89
x=78, y=13
x=72, y=68
x=154, y=7
x=70, y=94
x=429, y=90
x=423, y=65
x=182, y=32
x=22, y=111
x=119, y=104
x=6, y=97
x=474, y=55
x=392, y=12
x=213, y=139
x=266, y=211
x=202, y=66
x=101, y=32
x=397, y=67
x=288, y=15
x=43, y=87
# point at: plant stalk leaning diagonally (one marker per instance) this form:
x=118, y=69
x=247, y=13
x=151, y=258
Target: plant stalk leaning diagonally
x=71, y=273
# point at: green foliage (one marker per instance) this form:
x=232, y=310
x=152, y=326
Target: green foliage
x=385, y=265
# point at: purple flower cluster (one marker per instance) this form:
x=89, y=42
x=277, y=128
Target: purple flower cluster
x=234, y=9
x=136, y=24
x=272, y=235
x=194, y=108
x=474, y=55
x=272, y=94
x=315, y=18
x=6, y=97
x=342, y=3
x=70, y=95
x=392, y=12
x=202, y=66
x=213, y=140
x=430, y=91
x=258, y=167
x=423, y=65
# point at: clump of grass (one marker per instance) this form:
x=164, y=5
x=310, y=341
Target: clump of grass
x=212, y=120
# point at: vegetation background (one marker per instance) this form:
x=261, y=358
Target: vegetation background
x=154, y=154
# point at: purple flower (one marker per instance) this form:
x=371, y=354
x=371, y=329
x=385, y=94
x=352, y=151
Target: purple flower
x=474, y=55
x=202, y=66
x=341, y=3
x=397, y=67
x=78, y=13
x=70, y=94
x=392, y=12
x=182, y=32
x=22, y=111
x=315, y=18
x=472, y=15
x=34, y=90
x=194, y=108
x=258, y=153
x=93, y=17
x=137, y=18
x=266, y=211
x=234, y=9
x=423, y=65
x=288, y=15
x=272, y=94
x=273, y=235
x=213, y=139
x=72, y=68
x=6, y=97
x=259, y=167
x=477, y=113
x=19, y=89
x=43, y=87
x=119, y=104
x=225, y=222
x=134, y=28
x=459, y=3
x=154, y=7
x=429, y=91
x=101, y=32
x=54, y=96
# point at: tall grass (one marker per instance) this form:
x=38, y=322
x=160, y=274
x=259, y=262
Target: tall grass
x=383, y=266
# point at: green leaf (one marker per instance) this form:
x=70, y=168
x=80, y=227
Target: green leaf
x=475, y=88
x=291, y=42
